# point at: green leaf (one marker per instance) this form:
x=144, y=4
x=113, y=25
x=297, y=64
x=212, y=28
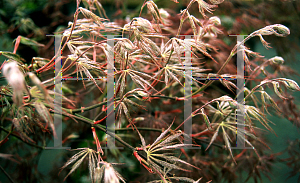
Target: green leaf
x=29, y=42
x=12, y=56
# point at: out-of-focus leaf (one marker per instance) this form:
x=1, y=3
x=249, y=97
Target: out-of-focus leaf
x=12, y=56
x=44, y=113
x=29, y=42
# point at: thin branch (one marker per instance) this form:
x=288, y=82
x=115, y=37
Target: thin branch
x=9, y=178
x=31, y=144
x=73, y=111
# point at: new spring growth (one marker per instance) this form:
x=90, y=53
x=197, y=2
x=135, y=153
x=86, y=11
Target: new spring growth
x=277, y=60
x=216, y=1
x=216, y=20
x=277, y=29
x=290, y=84
x=211, y=26
x=106, y=174
x=16, y=80
x=277, y=89
x=163, y=13
x=140, y=23
x=111, y=175
x=142, y=93
x=267, y=99
x=38, y=83
x=206, y=119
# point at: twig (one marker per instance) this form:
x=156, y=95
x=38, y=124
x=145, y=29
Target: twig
x=73, y=111
x=31, y=144
x=9, y=178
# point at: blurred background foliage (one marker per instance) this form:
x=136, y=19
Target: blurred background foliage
x=36, y=19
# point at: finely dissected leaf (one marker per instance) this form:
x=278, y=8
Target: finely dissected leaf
x=152, y=7
x=121, y=83
x=169, y=139
x=203, y=6
x=257, y=114
x=39, y=84
x=126, y=112
x=74, y=158
x=44, y=113
x=240, y=134
x=156, y=167
x=289, y=84
x=76, y=165
x=148, y=46
x=86, y=152
x=98, y=174
x=174, y=77
x=176, y=45
x=91, y=15
x=91, y=165
x=139, y=80
x=109, y=174
x=277, y=29
x=193, y=25
x=192, y=20
x=142, y=140
x=174, y=159
x=251, y=94
x=230, y=85
x=19, y=129
x=141, y=24
x=166, y=77
x=167, y=165
x=140, y=59
x=185, y=179
x=127, y=101
x=206, y=120
x=213, y=137
x=266, y=98
x=100, y=9
x=202, y=48
x=170, y=147
x=119, y=113
x=226, y=139
x=84, y=65
x=158, y=161
x=175, y=70
x=161, y=136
